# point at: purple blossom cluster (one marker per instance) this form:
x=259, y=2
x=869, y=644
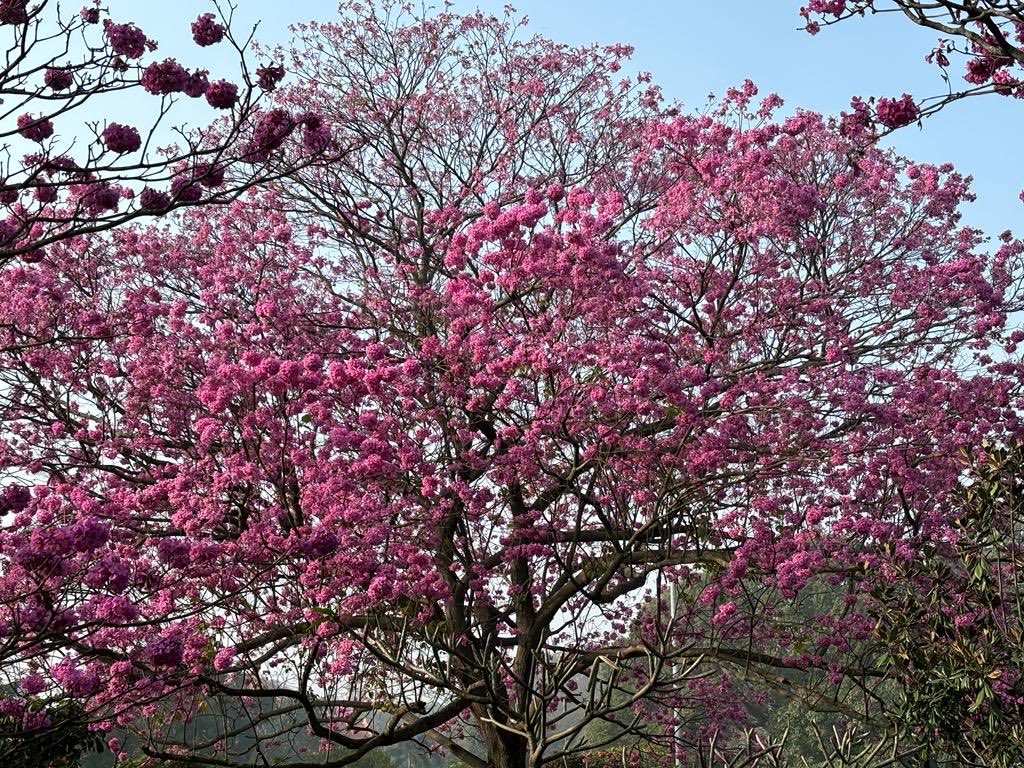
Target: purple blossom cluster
x=121, y=138
x=185, y=190
x=222, y=94
x=206, y=31
x=14, y=498
x=99, y=198
x=45, y=193
x=895, y=113
x=316, y=135
x=162, y=77
x=209, y=175
x=153, y=200
x=196, y=84
x=125, y=39
x=33, y=128
x=13, y=11
x=165, y=652
x=58, y=78
x=272, y=128
x=269, y=77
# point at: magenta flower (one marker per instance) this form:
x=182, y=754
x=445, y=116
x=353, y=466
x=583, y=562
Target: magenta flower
x=153, y=200
x=45, y=193
x=316, y=136
x=167, y=76
x=100, y=197
x=13, y=11
x=271, y=130
x=125, y=39
x=90, y=15
x=165, y=652
x=185, y=190
x=894, y=113
x=209, y=175
x=206, y=31
x=7, y=195
x=222, y=94
x=33, y=683
x=269, y=77
x=982, y=68
x=196, y=84
x=121, y=138
x=14, y=498
x=58, y=78
x=34, y=129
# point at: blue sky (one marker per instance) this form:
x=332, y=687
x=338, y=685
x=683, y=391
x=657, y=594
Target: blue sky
x=695, y=48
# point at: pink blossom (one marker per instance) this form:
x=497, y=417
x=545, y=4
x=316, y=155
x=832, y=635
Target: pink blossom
x=14, y=498
x=167, y=76
x=222, y=94
x=121, y=138
x=272, y=128
x=223, y=659
x=32, y=684
x=196, y=83
x=185, y=190
x=268, y=77
x=125, y=39
x=58, y=78
x=34, y=128
x=13, y=11
x=154, y=200
x=894, y=113
x=206, y=31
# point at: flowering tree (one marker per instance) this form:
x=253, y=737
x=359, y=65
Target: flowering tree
x=987, y=36
x=104, y=173
x=408, y=447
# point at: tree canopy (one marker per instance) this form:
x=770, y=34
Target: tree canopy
x=544, y=418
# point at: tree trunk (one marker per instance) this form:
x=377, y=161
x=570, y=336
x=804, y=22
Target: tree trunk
x=504, y=748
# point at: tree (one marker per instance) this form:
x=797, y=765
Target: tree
x=106, y=173
x=409, y=444
x=986, y=35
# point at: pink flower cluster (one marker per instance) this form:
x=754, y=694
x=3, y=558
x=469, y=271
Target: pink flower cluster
x=167, y=76
x=184, y=189
x=316, y=135
x=272, y=128
x=154, y=200
x=13, y=11
x=269, y=77
x=196, y=84
x=222, y=94
x=206, y=31
x=121, y=138
x=33, y=128
x=14, y=498
x=125, y=39
x=58, y=78
x=895, y=113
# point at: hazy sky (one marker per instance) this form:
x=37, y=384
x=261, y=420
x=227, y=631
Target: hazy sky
x=696, y=47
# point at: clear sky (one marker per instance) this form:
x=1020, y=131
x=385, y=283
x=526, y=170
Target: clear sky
x=696, y=47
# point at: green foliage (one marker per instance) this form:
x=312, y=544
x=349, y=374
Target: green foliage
x=950, y=625
x=61, y=744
